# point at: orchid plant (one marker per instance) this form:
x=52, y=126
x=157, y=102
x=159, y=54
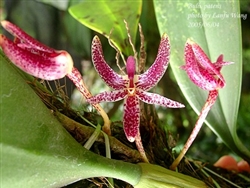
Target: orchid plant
x=35, y=146
x=44, y=62
x=68, y=155
x=49, y=64
x=132, y=87
x=206, y=75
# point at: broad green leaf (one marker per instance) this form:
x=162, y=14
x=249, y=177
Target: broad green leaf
x=215, y=26
x=106, y=15
x=62, y=5
x=36, y=151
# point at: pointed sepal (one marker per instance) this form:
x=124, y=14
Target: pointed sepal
x=110, y=77
x=48, y=67
x=108, y=96
x=201, y=70
x=153, y=75
x=24, y=38
x=131, y=117
x=220, y=63
x=153, y=98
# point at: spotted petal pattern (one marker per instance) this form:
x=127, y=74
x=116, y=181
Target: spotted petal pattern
x=43, y=62
x=207, y=76
x=111, y=78
x=153, y=98
x=132, y=87
x=23, y=37
x=108, y=96
x=131, y=117
x=200, y=70
x=153, y=75
x=34, y=57
x=205, y=62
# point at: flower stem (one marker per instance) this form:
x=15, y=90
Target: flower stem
x=140, y=148
x=76, y=77
x=212, y=96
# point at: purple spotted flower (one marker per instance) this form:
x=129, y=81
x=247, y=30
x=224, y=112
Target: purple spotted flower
x=34, y=57
x=132, y=87
x=201, y=70
x=206, y=75
x=44, y=62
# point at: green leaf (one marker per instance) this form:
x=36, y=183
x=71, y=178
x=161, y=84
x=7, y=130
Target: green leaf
x=104, y=15
x=215, y=26
x=61, y=5
x=154, y=176
x=36, y=151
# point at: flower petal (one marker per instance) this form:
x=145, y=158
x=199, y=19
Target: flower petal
x=204, y=61
x=220, y=63
x=44, y=67
x=108, y=96
x=111, y=78
x=131, y=117
x=153, y=75
x=152, y=98
x=24, y=37
x=197, y=74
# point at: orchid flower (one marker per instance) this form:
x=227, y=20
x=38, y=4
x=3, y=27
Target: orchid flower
x=33, y=57
x=206, y=75
x=44, y=62
x=132, y=87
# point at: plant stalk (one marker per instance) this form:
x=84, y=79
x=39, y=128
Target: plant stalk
x=212, y=96
x=76, y=77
